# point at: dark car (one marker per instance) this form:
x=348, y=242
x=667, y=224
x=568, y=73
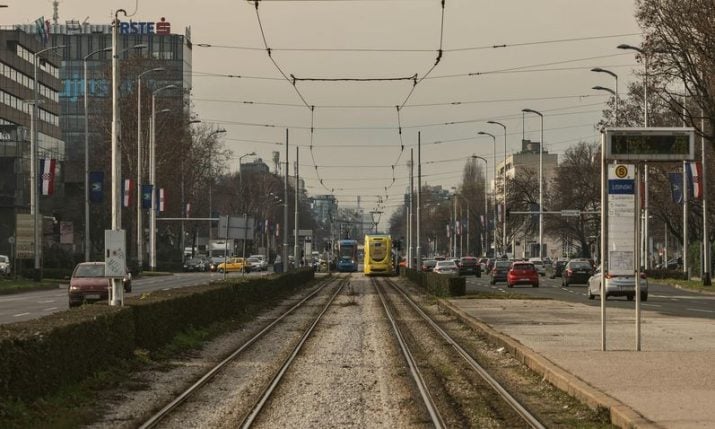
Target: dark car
x=576, y=272
x=499, y=272
x=522, y=273
x=557, y=268
x=196, y=264
x=88, y=283
x=469, y=265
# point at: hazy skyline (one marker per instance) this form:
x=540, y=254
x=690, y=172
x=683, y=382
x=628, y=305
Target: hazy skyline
x=355, y=148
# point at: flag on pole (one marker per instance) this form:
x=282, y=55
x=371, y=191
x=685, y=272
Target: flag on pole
x=127, y=187
x=457, y=228
x=162, y=197
x=47, y=175
x=96, y=186
x=278, y=230
x=676, y=187
x=42, y=29
x=146, y=196
x=481, y=218
x=695, y=176
x=500, y=212
x=449, y=232
x=188, y=210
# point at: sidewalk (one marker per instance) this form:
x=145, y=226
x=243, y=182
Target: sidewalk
x=669, y=384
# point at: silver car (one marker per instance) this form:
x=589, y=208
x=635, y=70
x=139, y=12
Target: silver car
x=4, y=265
x=446, y=267
x=617, y=286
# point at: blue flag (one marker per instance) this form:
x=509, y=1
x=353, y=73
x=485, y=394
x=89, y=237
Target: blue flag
x=676, y=187
x=146, y=196
x=96, y=186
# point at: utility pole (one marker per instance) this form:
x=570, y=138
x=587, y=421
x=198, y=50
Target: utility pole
x=285, y=211
x=296, y=245
x=419, y=193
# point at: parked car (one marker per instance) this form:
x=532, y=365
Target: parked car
x=446, y=267
x=576, y=272
x=263, y=260
x=88, y=283
x=233, y=264
x=196, y=264
x=617, y=286
x=499, y=272
x=557, y=268
x=522, y=273
x=4, y=265
x=428, y=265
x=539, y=265
x=469, y=265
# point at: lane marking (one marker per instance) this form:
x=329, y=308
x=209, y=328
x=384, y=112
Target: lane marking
x=700, y=310
x=651, y=305
x=20, y=315
x=50, y=309
x=46, y=301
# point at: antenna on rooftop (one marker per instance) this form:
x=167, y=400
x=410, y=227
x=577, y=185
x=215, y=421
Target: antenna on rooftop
x=55, y=12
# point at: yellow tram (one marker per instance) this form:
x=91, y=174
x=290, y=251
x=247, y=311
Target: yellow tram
x=378, y=255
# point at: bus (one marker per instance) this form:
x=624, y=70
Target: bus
x=347, y=260
x=378, y=255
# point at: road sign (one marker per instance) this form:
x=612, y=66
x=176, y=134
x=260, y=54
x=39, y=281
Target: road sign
x=24, y=233
x=304, y=232
x=236, y=227
x=650, y=144
x=621, y=211
x=570, y=212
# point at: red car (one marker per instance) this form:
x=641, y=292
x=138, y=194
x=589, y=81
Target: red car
x=522, y=273
x=88, y=284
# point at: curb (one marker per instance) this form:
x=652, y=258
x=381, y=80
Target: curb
x=621, y=415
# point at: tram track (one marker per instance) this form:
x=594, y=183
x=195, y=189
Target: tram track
x=159, y=417
x=505, y=399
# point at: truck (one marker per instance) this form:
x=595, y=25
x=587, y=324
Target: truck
x=222, y=248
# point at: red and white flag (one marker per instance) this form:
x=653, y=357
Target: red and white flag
x=162, y=198
x=278, y=230
x=127, y=193
x=696, y=171
x=47, y=174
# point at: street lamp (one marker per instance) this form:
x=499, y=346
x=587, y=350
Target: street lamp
x=211, y=134
x=34, y=167
x=541, y=182
x=494, y=176
x=486, y=201
x=152, y=176
x=140, y=224
x=503, y=185
x=240, y=174
x=615, y=93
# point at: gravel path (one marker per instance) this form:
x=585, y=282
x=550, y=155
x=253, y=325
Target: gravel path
x=350, y=373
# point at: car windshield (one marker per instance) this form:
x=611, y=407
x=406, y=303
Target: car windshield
x=443, y=264
x=502, y=264
x=89, y=270
x=580, y=265
x=4, y=258
x=526, y=267
x=253, y=260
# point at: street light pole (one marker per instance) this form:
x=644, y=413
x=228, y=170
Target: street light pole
x=541, y=182
x=152, y=178
x=504, y=245
x=615, y=93
x=34, y=167
x=486, y=201
x=494, y=196
x=140, y=224
x=208, y=138
x=87, y=241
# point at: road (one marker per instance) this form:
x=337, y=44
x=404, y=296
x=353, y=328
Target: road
x=663, y=299
x=32, y=305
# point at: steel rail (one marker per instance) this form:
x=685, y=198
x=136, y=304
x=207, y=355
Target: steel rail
x=529, y=418
x=251, y=417
x=161, y=414
x=416, y=374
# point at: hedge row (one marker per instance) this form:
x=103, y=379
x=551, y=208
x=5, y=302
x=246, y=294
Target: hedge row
x=40, y=356
x=666, y=274
x=437, y=284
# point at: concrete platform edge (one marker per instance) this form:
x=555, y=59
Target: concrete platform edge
x=621, y=415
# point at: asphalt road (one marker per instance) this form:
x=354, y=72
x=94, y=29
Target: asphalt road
x=663, y=299
x=32, y=305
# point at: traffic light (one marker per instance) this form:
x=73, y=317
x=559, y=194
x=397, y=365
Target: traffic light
x=397, y=244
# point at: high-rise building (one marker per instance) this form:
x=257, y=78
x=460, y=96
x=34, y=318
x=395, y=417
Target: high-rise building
x=17, y=53
x=142, y=45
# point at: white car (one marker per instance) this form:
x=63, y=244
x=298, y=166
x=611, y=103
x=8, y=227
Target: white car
x=263, y=265
x=446, y=267
x=4, y=265
x=617, y=286
x=539, y=265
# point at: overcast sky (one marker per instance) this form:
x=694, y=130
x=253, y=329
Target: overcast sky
x=355, y=148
